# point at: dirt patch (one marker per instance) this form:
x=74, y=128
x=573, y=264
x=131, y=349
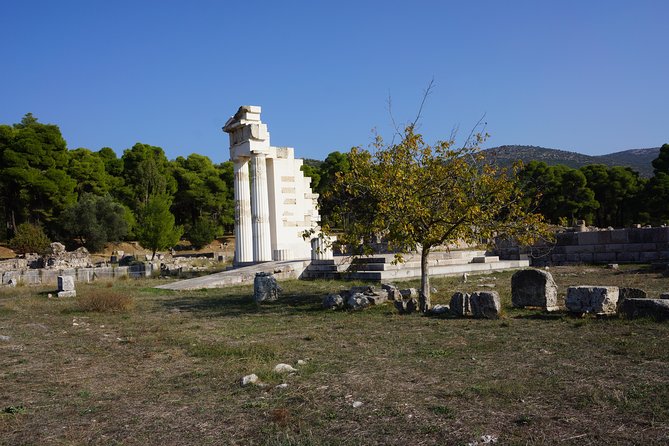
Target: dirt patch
x=6, y=253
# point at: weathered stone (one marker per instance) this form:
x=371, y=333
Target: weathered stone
x=439, y=309
x=265, y=287
x=333, y=302
x=534, y=288
x=65, y=283
x=392, y=290
x=631, y=293
x=460, y=304
x=406, y=306
x=249, y=379
x=664, y=296
x=12, y=282
x=592, y=299
x=409, y=293
x=367, y=290
x=284, y=368
x=357, y=301
x=378, y=298
x=485, y=304
x=655, y=308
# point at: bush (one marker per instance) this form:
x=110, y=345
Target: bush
x=30, y=238
x=95, y=221
x=105, y=300
x=202, y=233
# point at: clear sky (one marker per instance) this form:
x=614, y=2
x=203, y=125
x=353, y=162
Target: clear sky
x=588, y=76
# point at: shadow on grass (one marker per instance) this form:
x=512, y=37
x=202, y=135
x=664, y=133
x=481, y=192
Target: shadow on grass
x=234, y=306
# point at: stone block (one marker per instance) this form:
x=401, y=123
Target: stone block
x=265, y=287
x=333, y=302
x=460, y=304
x=65, y=283
x=592, y=299
x=655, y=308
x=534, y=288
x=67, y=293
x=392, y=290
x=631, y=293
x=604, y=257
x=485, y=304
x=619, y=236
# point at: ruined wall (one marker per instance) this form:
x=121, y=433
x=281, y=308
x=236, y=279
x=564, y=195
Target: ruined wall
x=630, y=245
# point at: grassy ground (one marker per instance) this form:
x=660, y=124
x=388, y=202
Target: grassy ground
x=167, y=370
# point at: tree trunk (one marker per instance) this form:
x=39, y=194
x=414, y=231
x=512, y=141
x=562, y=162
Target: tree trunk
x=153, y=256
x=424, y=281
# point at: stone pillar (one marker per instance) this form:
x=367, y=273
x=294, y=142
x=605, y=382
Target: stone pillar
x=262, y=242
x=243, y=231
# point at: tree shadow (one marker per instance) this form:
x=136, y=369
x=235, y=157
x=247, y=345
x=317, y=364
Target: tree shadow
x=235, y=306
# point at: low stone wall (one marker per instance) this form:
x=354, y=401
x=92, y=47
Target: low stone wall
x=44, y=276
x=631, y=245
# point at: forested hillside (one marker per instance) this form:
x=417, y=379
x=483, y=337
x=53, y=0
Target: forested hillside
x=639, y=160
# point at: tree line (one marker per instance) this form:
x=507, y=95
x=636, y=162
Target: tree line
x=601, y=195
x=88, y=198
x=83, y=197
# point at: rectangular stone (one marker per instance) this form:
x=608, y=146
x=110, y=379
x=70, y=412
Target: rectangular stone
x=287, y=179
x=592, y=299
x=65, y=283
x=604, y=257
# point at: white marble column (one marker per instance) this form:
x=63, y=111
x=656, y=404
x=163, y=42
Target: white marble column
x=262, y=243
x=243, y=227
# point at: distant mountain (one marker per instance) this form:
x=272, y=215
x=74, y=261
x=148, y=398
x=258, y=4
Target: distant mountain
x=638, y=159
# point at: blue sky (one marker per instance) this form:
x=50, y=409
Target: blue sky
x=589, y=76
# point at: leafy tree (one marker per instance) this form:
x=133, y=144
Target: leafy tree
x=563, y=191
x=94, y=221
x=420, y=196
x=661, y=163
x=30, y=238
x=146, y=172
x=617, y=192
x=156, y=229
x=202, y=233
x=336, y=163
x=313, y=173
x=202, y=192
x=33, y=178
x=88, y=170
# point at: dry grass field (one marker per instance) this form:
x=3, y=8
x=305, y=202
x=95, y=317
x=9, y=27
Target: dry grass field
x=126, y=364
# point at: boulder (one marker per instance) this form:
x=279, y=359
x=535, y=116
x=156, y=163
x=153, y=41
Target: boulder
x=409, y=293
x=357, y=301
x=392, y=290
x=600, y=300
x=333, y=302
x=656, y=308
x=460, y=304
x=485, y=304
x=407, y=306
x=439, y=309
x=379, y=297
x=534, y=288
x=265, y=287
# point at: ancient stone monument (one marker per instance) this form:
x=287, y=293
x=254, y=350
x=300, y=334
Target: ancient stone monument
x=534, y=288
x=274, y=203
x=66, y=286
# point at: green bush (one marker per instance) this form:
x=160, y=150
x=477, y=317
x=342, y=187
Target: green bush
x=202, y=233
x=30, y=238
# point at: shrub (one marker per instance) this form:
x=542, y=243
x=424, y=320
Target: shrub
x=30, y=238
x=202, y=233
x=105, y=300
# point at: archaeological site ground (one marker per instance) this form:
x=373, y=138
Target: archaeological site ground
x=164, y=367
